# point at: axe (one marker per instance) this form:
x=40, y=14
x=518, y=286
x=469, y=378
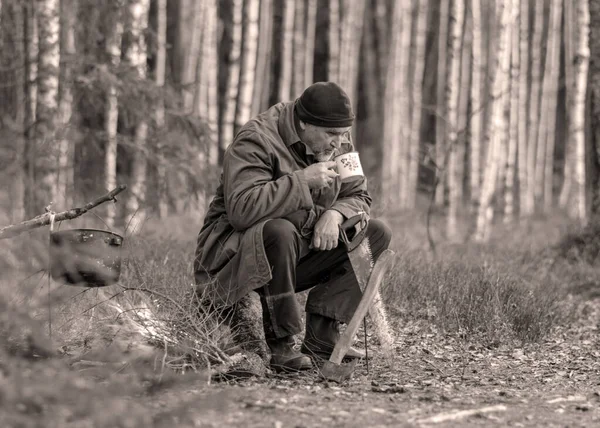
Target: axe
x=369, y=276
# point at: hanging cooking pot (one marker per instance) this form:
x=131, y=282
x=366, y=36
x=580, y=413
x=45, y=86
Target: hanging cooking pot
x=88, y=257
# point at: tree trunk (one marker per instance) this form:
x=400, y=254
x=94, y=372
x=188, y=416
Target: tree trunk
x=523, y=119
x=403, y=121
x=441, y=131
x=547, y=118
x=159, y=76
x=457, y=13
x=30, y=149
x=563, y=199
x=534, y=106
x=190, y=50
x=261, y=86
x=227, y=127
x=65, y=165
x=17, y=194
x=299, y=54
x=309, y=45
x=414, y=141
x=513, y=127
x=498, y=124
x=287, y=49
x=47, y=101
x=334, y=41
x=582, y=49
x=211, y=75
x=248, y=63
x=392, y=100
x=350, y=36
x=476, y=104
x=111, y=111
x=136, y=56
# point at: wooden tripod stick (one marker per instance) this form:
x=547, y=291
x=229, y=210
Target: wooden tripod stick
x=45, y=219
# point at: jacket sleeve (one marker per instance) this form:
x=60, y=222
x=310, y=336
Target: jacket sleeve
x=252, y=194
x=354, y=198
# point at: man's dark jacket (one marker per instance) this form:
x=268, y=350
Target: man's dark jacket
x=262, y=179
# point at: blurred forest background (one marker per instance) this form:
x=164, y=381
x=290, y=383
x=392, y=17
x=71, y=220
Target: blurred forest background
x=488, y=109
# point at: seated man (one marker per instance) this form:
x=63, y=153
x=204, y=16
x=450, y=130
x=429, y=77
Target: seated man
x=273, y=225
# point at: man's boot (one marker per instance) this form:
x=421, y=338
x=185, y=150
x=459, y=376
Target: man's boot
x=320, y=337
x=284, y=358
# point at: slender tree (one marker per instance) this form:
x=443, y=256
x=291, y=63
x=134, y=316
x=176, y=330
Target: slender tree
x=333, y=38
x=513, y=123
x=299, y=54
x=457, y=14
x=227, y=127
x=309, y=45
x=262, y=76
x=248, y=63
x=523, y=118
x=136, y=56
x=498, y=124
x=534, y=107
x=582, y=49
x=476, y=103
x=190, y=29
x=65, y=175
x=111, y=107
x=547, y=118
x=160, y=115
x=47, y=101
x=287, y=49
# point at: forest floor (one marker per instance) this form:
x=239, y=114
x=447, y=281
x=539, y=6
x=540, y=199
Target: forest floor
x=436, y=380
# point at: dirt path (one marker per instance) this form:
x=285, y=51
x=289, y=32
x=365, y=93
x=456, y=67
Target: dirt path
x=435, y=381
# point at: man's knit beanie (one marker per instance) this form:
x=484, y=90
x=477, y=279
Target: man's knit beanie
x=325, y=104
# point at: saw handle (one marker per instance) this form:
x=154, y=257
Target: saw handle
x=348, y=226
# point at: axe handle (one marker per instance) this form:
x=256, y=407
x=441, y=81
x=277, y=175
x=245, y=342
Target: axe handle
x=346, y=339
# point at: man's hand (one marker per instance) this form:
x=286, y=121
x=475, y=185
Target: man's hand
x=320, y=174
x=327, y=230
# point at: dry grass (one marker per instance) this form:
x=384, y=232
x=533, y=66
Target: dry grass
x=134, y=336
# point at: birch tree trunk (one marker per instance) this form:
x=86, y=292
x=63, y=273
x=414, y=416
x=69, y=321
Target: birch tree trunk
x=534, y=106
x=403, y=122
x=513, y=126
x=191, y=51
x=498, y=124
x=31, y=89
x=309, y=45
x=476, y=104
x=563, y=199
x=457, y=13
x=392, y=100
x=414, y=141
x=47, y=101
x=159, y=76
x=65, y=176
x=351, y=34
x=441, y=118
x=261, y=79
x=18, y=185
x=334, y=41
x=547, y=118
x=248, y=63
x=299, y=54
x=227, y=127
x=136, y=56
x=287, y=49
x=211, y=74
x=523, y=119
x=111, y=109
x=582, y=48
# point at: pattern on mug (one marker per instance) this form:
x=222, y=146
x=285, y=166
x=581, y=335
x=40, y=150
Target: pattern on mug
x=351, y=164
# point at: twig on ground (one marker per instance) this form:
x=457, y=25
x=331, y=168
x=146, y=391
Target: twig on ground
x=461, y=414
x=45, y=219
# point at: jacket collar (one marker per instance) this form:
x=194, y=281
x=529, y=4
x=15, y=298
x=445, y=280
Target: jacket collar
x=286, y=126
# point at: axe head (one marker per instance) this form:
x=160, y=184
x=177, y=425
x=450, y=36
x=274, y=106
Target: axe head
x=338, y=372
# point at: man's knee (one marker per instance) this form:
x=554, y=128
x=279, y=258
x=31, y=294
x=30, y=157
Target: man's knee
x=379, y=234
x=279, y=232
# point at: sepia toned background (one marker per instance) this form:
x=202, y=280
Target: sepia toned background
x=489, y=104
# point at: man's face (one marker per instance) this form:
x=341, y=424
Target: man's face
x=323, y=141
